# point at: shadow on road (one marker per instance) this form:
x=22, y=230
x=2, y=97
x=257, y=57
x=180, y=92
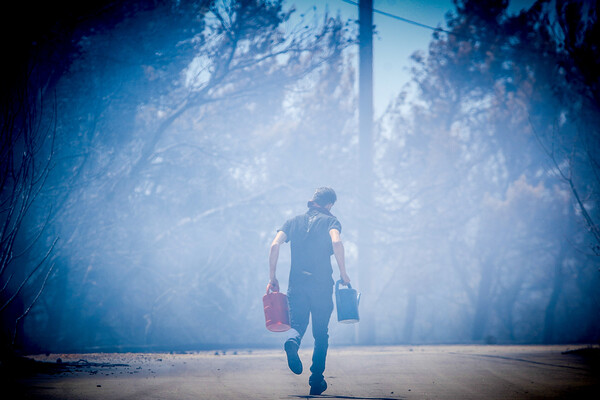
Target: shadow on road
x=325, y=396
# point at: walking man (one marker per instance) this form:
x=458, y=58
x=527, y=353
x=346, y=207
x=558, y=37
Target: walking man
x=314, y=237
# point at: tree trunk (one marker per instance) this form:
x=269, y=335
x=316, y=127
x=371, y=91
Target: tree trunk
x=409, y=319
x=482, y=307
x=553, y=301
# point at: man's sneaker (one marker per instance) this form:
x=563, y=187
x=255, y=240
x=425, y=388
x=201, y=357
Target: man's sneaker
x=291, y=349
x=318, y=388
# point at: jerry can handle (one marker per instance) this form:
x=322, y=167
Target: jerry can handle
x=337, y=285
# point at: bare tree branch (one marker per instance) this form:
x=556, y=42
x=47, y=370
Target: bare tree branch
x=24, y=314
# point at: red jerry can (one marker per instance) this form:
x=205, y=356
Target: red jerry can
x=277, y=315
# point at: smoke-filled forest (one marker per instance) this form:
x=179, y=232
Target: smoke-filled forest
x=151, y=150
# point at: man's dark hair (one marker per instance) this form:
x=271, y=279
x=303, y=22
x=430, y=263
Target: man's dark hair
x=324, y=195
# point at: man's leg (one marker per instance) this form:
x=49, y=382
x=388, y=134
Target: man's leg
x=299, y=313
x=322, y=308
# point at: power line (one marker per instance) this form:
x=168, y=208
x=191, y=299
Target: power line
x=522, y=46
x=408, y=21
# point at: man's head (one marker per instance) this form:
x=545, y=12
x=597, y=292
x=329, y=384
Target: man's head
x=324, y=196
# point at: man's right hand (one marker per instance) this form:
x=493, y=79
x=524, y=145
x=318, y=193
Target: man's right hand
x=345, y=279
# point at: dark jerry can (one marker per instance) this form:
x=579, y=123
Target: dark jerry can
x=346, y=301
x=277, y=314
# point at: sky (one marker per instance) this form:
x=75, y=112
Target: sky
x=395, y=40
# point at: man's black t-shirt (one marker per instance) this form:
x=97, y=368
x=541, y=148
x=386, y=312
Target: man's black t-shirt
x=311, y=246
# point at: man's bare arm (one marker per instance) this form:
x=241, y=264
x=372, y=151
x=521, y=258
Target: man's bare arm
x=274, y=257
x=339, y=253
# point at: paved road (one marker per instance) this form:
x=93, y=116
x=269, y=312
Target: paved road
x=374, y=373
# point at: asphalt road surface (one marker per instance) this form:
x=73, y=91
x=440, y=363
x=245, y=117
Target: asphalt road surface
x=374, y=373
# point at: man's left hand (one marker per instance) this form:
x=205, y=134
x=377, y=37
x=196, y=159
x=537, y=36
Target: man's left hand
x=274, y=285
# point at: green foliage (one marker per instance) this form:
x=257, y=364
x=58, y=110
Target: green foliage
x=187, y=131
x=486, y=171
x=168, y=168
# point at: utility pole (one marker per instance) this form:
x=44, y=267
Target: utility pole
x=365, y=191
